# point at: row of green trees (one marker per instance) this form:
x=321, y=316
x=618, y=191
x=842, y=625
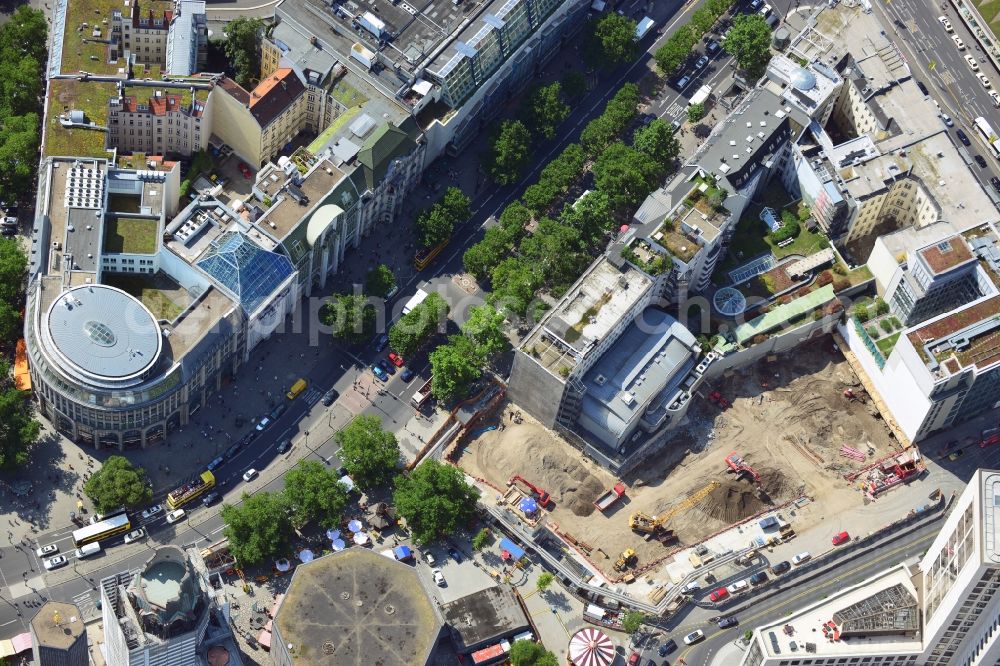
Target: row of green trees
x=748, y=40
x=436, y=224
x=458, y=363
x=417, y=326
x=23, y=42
x=678, y=46
x=543, y=110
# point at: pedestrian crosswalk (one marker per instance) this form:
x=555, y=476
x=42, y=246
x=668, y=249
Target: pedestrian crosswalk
x=87, y=603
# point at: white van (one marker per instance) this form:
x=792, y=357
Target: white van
x=88, y=550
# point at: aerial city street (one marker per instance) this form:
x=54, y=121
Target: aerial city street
x=523, y=332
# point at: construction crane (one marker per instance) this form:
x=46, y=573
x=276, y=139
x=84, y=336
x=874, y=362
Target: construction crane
x=531, y=489
x=656, y=525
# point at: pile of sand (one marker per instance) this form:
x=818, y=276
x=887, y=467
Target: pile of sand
x=571, y=485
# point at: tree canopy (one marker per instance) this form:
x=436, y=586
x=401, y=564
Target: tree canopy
x=436, y=224
x=455, y=366
x=23, y=45
x=258, y=527
x=435, y=500
x=242, y=47
x=18, y=428
x=530, y=653
x=657, y=141
x=625, y=175
x=749, y=42
x=351, y=317
x=511, y=152
x=545, y=109
x=118, y=484
x=415, y=327
x=695, y=112
x=370, y=454
x=514, y=285
x=380, y=281
x=616, y=35
x=314, y=493
x=484, y=326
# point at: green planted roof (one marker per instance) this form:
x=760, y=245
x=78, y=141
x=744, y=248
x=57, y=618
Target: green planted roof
x=784, y=313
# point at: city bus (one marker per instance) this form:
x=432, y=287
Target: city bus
x=107, y=528
x=988, y=136
x=191, y=490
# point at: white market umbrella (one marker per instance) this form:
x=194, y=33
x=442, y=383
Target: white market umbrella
x=361, y=538
x=283, y=565
x=338, y=544
x=354, y=526
x=332, y=534
x=591, y=647
x=306, y=556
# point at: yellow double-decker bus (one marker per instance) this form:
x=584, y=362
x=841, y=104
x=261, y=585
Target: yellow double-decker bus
x=191, y=490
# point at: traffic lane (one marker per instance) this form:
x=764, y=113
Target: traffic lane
x=914, y=544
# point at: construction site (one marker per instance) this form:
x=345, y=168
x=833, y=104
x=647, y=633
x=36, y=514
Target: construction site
x=760, y=437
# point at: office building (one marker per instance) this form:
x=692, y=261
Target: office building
x=172, y=36
x=169, y=121
x=58, y=636
x=167, y=613
x=943, y=612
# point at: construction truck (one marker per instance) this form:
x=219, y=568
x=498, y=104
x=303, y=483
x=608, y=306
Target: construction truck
x=627, y=559
x=530, y=489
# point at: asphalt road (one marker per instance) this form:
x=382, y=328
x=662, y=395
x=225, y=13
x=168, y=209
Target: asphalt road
x=935, y=59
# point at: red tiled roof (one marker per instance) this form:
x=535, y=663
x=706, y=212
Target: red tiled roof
x=235, y=90
x=947, y=254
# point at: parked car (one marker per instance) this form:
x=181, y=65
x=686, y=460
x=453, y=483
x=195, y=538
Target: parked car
x=438, y=577
x=381, y=343
x=728, y=621
x=738, y=586
x=329, y=398
x=50, y=549
x=245, y=170
x=702, y=61
x=135, y=535
x=396, y=359
x=801, y=558
x=758, y=578
x=454, y=554
x=943, y=20
x=841, y=538
x=278, y=411
x=152, y=511
x=995, y=96
x=694, y=637
x=682, y=82
x=210, y=499
x=923, y=88
x=429, y=558
x=54, y=562
x=946, y=119
x=668, y=647
x=379, y=373
x=691, y=587
x=634, y=658
x=216, y=463
x=712, y=48
x=963, y=137
x=983, y=80
x=284, y=445
x=176, y=516
x=980, y=161
x=719, y=594
x=407, y=374
x=780, y=567
x=250, y=474
x=389, y=368
x=958, y=42
x=973, y=64
x=995, y=182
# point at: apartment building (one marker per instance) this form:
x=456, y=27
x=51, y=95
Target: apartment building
x=172, y=36
x=160, y=121
x=943, y=612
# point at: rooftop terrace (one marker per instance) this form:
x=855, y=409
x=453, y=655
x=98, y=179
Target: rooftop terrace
x=878, y=616
x=91, y=97
x=282, y=217
x=966, y=337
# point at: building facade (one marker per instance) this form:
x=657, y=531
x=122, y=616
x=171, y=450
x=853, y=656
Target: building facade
x=172, y=36
x=164, y=123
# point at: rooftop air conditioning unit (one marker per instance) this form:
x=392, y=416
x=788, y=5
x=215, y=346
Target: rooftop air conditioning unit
x=600, y=380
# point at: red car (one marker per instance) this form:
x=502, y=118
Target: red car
x=843, y=537
x=245, y=170
x=719, y=594
x=633, y=660
x=396, y=359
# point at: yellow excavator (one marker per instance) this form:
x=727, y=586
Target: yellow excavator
x=627, y=559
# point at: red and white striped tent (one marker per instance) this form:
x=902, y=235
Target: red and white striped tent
x=591, y=647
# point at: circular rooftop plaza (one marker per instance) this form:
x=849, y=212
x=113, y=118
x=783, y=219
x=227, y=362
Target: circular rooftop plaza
x=102, y=334
x=729, y=301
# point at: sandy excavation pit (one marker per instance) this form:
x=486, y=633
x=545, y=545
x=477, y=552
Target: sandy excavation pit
x=789, y=427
